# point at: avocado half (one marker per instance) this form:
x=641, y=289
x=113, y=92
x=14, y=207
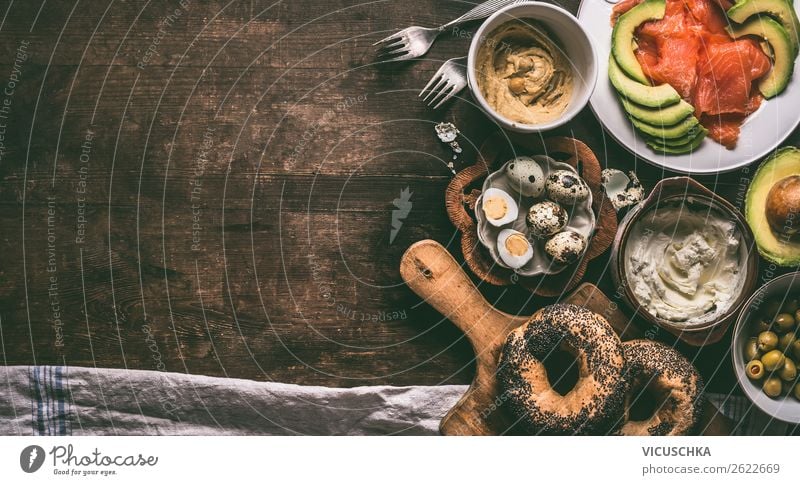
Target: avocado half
x=774, y=247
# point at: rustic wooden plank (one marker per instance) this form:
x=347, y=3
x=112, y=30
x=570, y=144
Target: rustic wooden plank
x=299, y=143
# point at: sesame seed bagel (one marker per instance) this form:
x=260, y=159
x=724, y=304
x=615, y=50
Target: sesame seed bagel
x=673, y=382
x=595, y=401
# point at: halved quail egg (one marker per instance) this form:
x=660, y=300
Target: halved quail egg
x=546, y=218
x=499, y=207
x=622, y=190
x=526, y=176
x=566, y=187
x=566, y=247
x=514, y=248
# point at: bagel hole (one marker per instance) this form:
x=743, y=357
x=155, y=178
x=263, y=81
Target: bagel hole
x=562, y=370
x=645, y=401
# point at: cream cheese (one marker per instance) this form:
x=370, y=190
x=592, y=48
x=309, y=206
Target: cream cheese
x=684, y=265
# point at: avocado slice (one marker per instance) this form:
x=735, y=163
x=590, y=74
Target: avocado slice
x=642, y=94
x=685, y=128
x=783, y=10
x=699, y=132
x=774, y=247
x=782, y=50
x=670, y=115
x=671, y=148
x=622, y=38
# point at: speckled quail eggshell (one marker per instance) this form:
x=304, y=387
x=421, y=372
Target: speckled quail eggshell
x=526, y=176
x=565, y=247
x=513, y=261
x=622, y=190
x=546, y=218
x=566, y=187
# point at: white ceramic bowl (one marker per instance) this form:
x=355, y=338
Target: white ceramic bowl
x=785, y=408
x=570, y=36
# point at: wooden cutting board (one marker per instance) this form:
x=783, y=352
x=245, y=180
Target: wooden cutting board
x=432, y=273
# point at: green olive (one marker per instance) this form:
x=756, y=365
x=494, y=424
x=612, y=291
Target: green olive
x=754, y=369
x=772, y=387
x=796, y=391
x=791, y=305
x=789, y=371
x=767, y=341
x=786, y=341
x=784, y=322
x=773, y=360
x=751, y=349
x=794, y=350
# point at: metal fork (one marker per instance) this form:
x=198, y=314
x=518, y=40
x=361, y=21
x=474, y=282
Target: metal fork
x=452, y=78
x=415, y=41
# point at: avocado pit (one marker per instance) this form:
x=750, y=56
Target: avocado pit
x=783, y=206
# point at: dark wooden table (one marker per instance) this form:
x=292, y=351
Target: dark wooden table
x=207, y=187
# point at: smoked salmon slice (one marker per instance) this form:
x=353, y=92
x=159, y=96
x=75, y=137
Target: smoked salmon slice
x=690, y=50
x=725, y=77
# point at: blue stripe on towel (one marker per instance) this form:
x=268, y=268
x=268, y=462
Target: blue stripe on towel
x=48, y=408
x=30, y=394
x=44, y=380
x=62, y=430
x=37, y=418
x=48, y=401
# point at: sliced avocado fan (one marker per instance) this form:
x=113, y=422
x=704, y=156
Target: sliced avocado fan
x=782, y=10
x=623, y=37
x=641, y=94
x=780, y=49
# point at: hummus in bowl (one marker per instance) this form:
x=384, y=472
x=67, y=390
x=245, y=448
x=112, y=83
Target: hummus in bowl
x=531, y=67
x=523, y=75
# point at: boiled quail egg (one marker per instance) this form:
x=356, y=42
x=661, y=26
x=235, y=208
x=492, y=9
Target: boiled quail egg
x=566, y=187
x=514, y=248
x=498, y=207
x=565, y=247
x=622, y=190
x=546, y=218
x=526, y=176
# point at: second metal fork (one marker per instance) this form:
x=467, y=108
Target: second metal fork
x=448, y=80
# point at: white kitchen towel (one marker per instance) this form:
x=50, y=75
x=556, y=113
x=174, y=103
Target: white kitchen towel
x=57, y=400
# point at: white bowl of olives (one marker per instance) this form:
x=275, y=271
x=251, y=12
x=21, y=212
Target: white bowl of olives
x=766, y=348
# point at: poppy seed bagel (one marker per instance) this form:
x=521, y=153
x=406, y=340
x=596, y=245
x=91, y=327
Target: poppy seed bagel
x=596, y=400
x=674, y=383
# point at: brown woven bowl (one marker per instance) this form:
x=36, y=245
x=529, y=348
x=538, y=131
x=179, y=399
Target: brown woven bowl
x=464, y=189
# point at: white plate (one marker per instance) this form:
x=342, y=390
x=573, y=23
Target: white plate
x=761, y=133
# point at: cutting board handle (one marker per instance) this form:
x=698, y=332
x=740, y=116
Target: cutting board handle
x=432, y=273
